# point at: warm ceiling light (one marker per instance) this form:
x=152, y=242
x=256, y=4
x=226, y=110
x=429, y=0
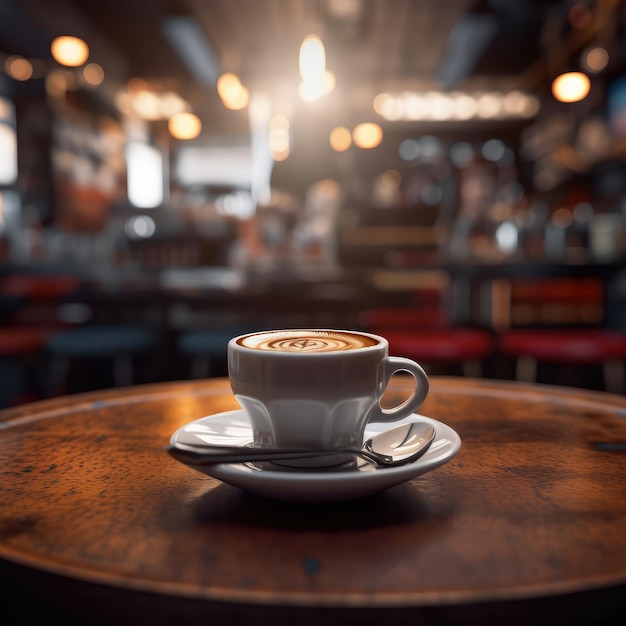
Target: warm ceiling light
x=312, y=59
x=171, y=104
x=238, y=100
x=184, y=126
x=232, y=93
x=571, y=87
x=18, y=68
x=278, y=122
x=340, y=139
x=228, y=84
x=93, y=74
x=367, y=135
x=489, y=105
x=70, y=51
x=147, y=105
x=384, y=104
x=278, y=140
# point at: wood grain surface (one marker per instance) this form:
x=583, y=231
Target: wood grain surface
x=532, y=508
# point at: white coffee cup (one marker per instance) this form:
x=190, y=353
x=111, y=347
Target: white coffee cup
x=316, y=389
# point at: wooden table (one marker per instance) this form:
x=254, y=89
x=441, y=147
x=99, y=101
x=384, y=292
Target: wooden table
x=526, y=525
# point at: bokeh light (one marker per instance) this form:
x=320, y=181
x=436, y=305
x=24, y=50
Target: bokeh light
x=93, y=74
x=340, y=139
x=367, y=135
x=571, y=87
x=184, y=126
x=312, y=58
x=18, y=68
x=69, y=51
x=595, y=59
x=233, y=94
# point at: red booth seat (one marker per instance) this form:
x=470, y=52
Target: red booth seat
x=568, y=347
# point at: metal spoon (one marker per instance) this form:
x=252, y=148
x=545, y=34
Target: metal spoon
x=396, y=446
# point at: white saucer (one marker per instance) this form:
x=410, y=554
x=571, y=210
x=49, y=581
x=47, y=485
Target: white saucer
x=311, y=485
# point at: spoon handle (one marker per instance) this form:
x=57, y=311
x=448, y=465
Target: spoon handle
x=211, y=457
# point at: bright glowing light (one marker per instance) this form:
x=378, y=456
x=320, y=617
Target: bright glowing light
x=571, y=87
x=8, y=155
x=144, y=175
x=171, y=104
x=278, y=140
x=233, y=94
x=329, y=81
x=228, y=84
x=489, y=105
x=184, y=126
x=596, y=59
x=340, y=139
x=147, y=105
x=238, y=204
x=367, y=135
x=441, y=106
x=280, y=156
x=513, y=103
x=313, y=89
x=69, y=51
x=416, y=107
x=465, y=107
x=278, y=122
x=312, y=59
x=310, y=91
x=140, y=227
x=18, y=68
x=93, y=74
x=239, y=100
x=383, y=103
x=530, y=106
x=507, y=237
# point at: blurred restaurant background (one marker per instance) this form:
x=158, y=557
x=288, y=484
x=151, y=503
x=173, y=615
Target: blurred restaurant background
x=448, y=173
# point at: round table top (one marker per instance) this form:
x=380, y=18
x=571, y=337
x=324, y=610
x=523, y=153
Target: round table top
x=533, y=505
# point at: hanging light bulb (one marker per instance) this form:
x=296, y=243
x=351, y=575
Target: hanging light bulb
x=367, y=135
x=312, y=59
x=232, y=93
x=69, y=51
x=340, y=139
x=184, y=126
x=571, y=87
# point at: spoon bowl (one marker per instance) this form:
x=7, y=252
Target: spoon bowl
x=395, y=446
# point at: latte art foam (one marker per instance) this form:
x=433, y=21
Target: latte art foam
x=305, y=342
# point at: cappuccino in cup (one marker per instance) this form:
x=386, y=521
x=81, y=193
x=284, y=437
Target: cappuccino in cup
x=316, y=389
x=298, y=341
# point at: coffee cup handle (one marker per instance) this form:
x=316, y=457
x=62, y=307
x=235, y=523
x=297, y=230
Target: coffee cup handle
x=393, y=365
